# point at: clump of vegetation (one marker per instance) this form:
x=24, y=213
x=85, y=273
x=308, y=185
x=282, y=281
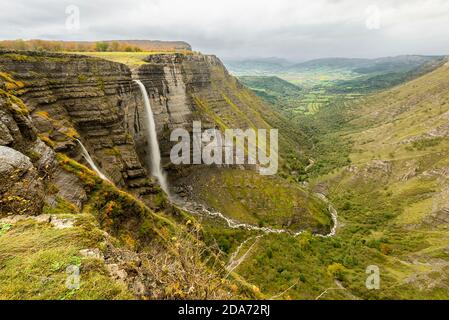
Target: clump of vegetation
x=188, y=269
x=4, y=227
x=61, y=206
x=86, y=46
x=13, y=104
x=82, y=77
x=336, y=270
x=423, y=144
x=10, y=83
x=35, y=257
x=47, y=140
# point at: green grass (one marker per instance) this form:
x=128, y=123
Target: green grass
x=133, y=59
x=384, y=211
x=34, y=257
x=247, y=197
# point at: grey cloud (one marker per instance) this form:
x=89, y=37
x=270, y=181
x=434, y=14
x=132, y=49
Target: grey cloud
x=291, y=29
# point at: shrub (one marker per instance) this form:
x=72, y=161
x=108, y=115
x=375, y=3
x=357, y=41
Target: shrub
x=336, y=270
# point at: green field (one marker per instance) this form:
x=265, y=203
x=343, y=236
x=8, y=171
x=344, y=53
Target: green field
x=132, y=59
x=326, y=82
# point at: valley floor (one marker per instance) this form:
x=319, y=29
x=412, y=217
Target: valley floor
x=392, y=199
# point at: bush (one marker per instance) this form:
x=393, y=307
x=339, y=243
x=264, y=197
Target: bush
x=101, y=46
x=336, y=270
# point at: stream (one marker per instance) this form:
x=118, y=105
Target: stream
x=200, y=209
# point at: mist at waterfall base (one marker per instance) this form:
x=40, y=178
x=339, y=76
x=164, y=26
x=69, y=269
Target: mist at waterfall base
x=91, y=162
x=153, y=151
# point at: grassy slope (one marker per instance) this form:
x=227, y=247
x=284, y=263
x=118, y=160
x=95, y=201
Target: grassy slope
x=391, y=203
x=394, y=193
x=248, y=197
x=132, y=59
x=231, y=105
x=273, y=90
x=34, y=255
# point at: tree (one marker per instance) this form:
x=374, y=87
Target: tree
x=101, y=46
x=336, y=270
x=115, y=46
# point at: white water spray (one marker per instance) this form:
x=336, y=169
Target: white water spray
x=153, y=151
x=91, y=162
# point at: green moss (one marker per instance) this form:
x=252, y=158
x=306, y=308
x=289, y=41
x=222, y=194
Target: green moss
x=47, y=140
x=100, y=84
x=13, y=104
x=88, y=177
x=61, y=206
x=160, y=200
x=112, y=151
x=33, y=155
x=10, y=83
x=4, y=227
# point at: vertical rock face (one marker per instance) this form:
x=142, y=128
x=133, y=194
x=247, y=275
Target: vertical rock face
x=25, y=161
x=166, y=87
x=184, y=88
x=72, y=96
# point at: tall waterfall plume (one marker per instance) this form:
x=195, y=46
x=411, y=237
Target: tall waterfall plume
x=153, y=152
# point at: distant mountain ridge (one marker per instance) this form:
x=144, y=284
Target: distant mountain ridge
x=257, y=66
x=271, y=66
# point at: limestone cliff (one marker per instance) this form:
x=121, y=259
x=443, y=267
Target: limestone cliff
x=25, y=161
x=71, y=96
x=184, y=88
x=57, y=214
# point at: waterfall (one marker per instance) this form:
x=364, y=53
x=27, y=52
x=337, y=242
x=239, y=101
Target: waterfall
x=91, y=162
x=153, y=151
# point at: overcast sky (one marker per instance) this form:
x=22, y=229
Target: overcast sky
x=296, y=30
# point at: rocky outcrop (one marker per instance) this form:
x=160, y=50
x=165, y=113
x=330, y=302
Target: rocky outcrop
x=25, y=161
